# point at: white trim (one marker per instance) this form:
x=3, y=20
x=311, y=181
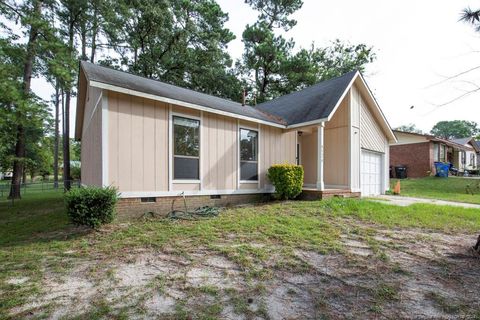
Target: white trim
x=170, y=148
x=372, y=97
x=104, y=140
x=146, y=194
x=320, y=156
x=306, y=124
x=350, y=140
x=239, y=182
x=180, y=103
x=100, y=97
x=237, y=142
x=200, y=161
x=339, y=102
x=186, y=181
x=258, y=156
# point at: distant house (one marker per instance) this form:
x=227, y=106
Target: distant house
x=419, y=152
x=153, y=140
x=472, y=156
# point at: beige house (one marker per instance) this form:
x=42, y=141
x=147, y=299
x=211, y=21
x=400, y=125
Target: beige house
x=152, y=140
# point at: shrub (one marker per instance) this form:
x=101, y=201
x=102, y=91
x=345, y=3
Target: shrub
x=75, y=172
x=91, y=206
x=287, y=179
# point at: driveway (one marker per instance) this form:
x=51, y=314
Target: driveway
x=406, y=201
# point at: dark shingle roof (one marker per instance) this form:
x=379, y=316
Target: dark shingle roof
x=312, y=103
x=462, y=140
x=129, y=81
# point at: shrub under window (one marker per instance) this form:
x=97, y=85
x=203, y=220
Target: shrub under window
x=287, y=180
x=91, y=206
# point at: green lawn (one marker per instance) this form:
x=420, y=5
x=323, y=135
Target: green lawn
x=35, y=234
x=451, y=188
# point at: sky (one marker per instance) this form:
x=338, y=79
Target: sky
x=419, y=44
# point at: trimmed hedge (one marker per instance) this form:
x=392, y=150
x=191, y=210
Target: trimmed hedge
x=287, y=180
x=91, y=206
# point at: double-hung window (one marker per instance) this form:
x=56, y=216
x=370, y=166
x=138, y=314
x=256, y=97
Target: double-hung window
x=248, y=155
x=186, y=148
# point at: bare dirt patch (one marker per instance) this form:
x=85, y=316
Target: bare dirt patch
x=381, y=274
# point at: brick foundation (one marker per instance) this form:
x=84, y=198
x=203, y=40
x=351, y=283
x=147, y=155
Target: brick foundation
x=327, y=194
x=134, y=208
x=418, y=157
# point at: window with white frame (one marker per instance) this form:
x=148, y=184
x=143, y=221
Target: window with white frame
x=248, y=155
x=186, y=148
x=472, y=159
x=435, y=152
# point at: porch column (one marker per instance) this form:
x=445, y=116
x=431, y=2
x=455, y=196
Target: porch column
x=320, y=156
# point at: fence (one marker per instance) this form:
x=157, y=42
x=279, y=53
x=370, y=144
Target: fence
x=36, y=187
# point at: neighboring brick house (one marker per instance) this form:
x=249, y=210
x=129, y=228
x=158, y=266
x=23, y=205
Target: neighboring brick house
x=418, y=152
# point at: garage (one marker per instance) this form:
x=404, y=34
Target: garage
x=371, y=173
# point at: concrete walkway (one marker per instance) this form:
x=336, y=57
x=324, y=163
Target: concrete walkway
x=406, y=201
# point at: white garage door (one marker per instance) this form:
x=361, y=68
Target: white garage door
x=371, y=173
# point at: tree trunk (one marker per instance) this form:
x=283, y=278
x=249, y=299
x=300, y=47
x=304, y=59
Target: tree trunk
x=94, y=33
x=56, y=137
x=66, y=143
x=66, y=133
x=18, y=163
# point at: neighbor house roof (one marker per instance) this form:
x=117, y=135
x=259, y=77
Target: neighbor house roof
x=451, y=143
x=309, y=106
x=471, y=140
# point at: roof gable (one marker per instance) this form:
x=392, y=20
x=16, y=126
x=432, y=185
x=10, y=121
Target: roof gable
x=312, y=103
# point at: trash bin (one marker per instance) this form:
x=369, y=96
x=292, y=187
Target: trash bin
x=391, y=172
x=401, y=172
x=441, y=169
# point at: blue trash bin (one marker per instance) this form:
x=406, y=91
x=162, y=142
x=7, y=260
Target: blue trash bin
x=441, y=169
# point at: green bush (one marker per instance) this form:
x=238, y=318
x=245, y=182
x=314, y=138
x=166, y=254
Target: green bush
x=91, y=206
x=287, y=180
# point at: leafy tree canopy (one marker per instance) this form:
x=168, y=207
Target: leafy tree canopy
x=455, y=129
x=409, y=128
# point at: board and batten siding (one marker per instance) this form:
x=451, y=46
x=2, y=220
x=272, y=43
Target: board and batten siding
x=336, y=147
x=371, y=135
x=138, y=143
x=91, y=148
x=138, y=148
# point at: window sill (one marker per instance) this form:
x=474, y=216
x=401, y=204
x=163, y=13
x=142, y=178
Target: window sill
x=185, y=181
x=249, y=181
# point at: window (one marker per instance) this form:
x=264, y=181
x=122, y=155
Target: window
x=463, y=157
x=435, y=152
x=442, y=153
x=248, y=155
x=472, y=159
x=186, y=149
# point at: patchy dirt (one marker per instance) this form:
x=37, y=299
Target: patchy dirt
x=387, y=274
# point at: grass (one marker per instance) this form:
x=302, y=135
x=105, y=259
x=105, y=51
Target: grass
x=35, y=233
x=451, y=188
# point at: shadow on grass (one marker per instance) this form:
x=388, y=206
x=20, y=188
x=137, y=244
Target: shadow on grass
x=36, y=218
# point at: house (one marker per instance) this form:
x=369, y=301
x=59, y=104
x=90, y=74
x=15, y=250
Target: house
x=471, y=158
x=418, y=152
x=154, y=141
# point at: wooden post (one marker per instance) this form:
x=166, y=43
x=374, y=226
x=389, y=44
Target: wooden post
x=320, y=156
